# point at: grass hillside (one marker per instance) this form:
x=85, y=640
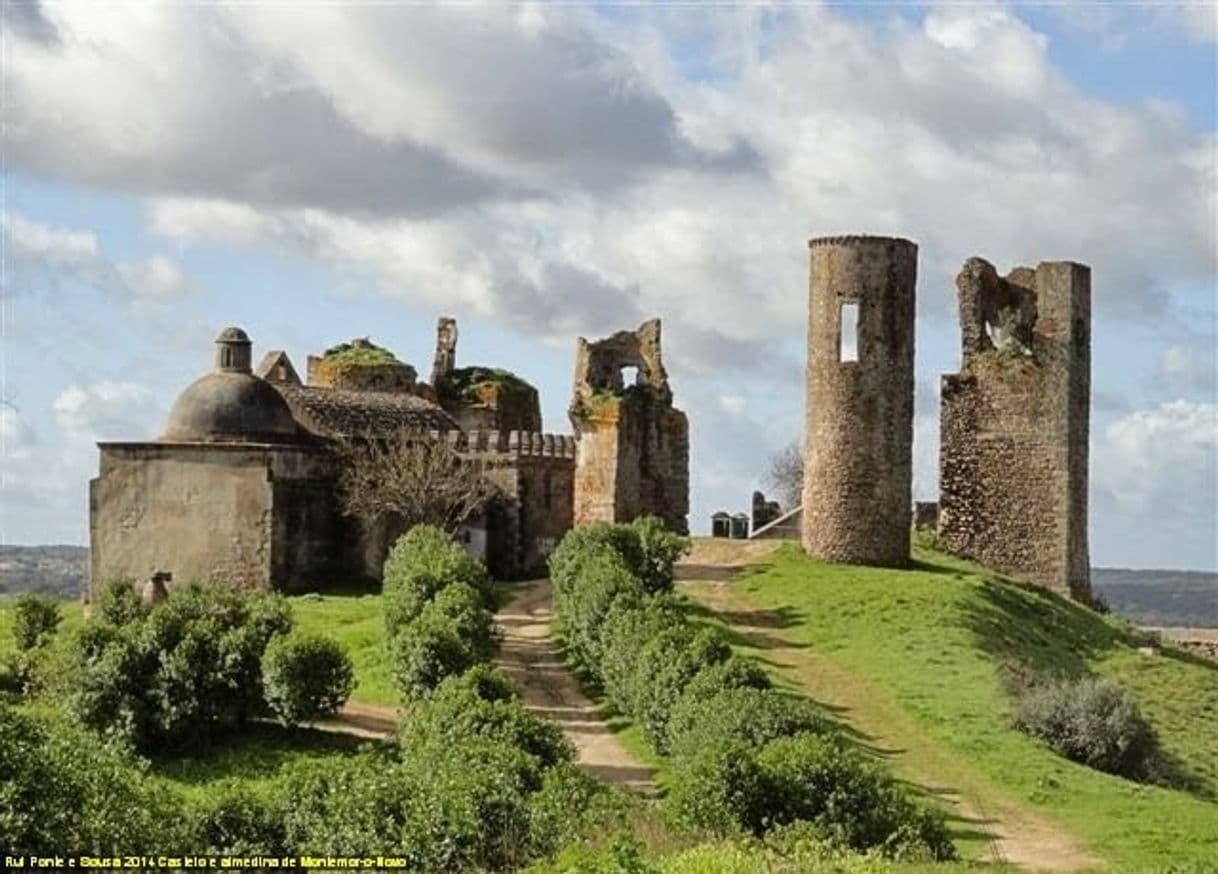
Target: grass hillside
x=916, y=653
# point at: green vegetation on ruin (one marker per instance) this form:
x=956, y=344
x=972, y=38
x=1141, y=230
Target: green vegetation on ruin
x=465, y=381
x=359, y=352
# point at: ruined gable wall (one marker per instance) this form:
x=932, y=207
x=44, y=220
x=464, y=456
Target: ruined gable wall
x=859, y=413
x=1014, y=428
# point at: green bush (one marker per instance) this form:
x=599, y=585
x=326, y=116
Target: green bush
x=603, y=579
x=665, y=666
x=812, y=778
x=565, y=807
x=627, y=627
x=752, y=716
x=458, y=714
x=425, y=652
x=719, y=788
x=35, y=618
x=646, y=547
x=62, y=792
x=237, y=822
x=305, y=676
x=584, y=541
x=189, y=669
x=1091, y=721
x=423, y=561
x=659, y=550
x=118, y=603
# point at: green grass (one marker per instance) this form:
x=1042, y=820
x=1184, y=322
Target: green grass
x=930, y=639
x=356, y=620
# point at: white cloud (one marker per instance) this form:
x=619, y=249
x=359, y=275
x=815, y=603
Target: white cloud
x=41, y=259
x=42, y=492
x=1190, y=366
x=1154, y=494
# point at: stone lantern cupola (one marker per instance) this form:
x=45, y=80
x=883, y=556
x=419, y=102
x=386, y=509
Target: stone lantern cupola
x=233, y=351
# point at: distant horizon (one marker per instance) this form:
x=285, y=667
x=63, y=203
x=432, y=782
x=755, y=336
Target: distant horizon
x=1165, y=570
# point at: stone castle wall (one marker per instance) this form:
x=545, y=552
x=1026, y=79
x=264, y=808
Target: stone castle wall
x=535, y=475
x=1014, y=425
x=859, y=413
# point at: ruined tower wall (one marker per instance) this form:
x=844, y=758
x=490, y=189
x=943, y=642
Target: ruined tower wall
x=859, y=413
x=633, y=455
x=1014, y=425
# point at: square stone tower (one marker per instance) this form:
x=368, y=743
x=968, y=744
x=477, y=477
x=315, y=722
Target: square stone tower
x=633, y=451
x=1014, y=424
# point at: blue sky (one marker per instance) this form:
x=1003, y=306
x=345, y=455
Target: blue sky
x=315, y=174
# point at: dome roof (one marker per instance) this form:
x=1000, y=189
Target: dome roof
x=227, y=406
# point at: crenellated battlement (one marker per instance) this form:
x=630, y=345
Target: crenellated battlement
x=510, y=443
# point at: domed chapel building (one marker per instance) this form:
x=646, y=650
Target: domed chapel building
x=240, y=489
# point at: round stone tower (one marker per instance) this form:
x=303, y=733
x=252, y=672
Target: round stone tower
x=858, y=457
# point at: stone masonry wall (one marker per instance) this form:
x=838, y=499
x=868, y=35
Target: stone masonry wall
x=633, y=449
x=1014, y=425
x=535, y=476
x=859, y=413
x=221, y=514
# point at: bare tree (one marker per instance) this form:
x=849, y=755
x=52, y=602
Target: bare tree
x=410, y=478
x=786, y=475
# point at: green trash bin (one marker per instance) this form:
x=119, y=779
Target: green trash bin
x=721, y=525
x=740, y=527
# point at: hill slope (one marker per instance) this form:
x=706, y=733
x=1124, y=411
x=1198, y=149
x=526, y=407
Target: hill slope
x=914, y=655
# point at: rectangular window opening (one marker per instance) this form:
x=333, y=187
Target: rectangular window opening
x=848, y=332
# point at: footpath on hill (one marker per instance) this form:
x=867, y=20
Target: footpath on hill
x=548, y=689
x=1015, y=835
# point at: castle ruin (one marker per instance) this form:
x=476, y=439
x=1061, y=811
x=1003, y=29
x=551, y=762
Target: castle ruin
x=633, y=444
x=1014, y=424
x=241, y=488
x=860, y=397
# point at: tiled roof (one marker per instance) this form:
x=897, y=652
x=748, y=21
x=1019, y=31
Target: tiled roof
x=335, y=412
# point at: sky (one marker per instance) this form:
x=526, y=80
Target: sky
x=317, y=172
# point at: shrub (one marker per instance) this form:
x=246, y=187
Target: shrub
x=305, y=676
x=187, y=670
x=659, y=550
x=626, y=629
x=353, y=806
x=425, y=652
x=603, y=579
x=748, y=715
x=584, y=541
x=812, y=778
x=1091, y=721
x=426, y=559
x=458, y=714
x=474, y=623
x=35, y=618
x=665, y=666
x=238, y=822
x=645, y=546
x=62, y=792
x=565, y=807
x=118, y=603
x=719, y=788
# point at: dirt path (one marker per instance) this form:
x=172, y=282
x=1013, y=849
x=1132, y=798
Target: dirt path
x=549, y=690
x=357, y=719
x=1014, y=834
